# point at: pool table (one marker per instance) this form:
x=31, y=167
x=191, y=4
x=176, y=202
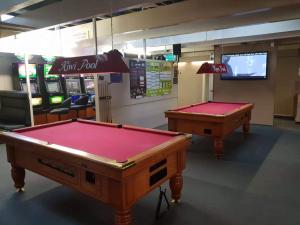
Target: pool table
x=216, y=119
x=116, y=164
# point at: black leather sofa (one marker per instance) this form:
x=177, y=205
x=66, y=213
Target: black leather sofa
x=14, y=110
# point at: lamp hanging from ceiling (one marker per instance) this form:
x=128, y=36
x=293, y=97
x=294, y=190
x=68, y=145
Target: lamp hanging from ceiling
x=111, y=62
x=212, y=68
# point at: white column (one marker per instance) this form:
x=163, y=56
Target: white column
x=210, y=87
x=29, y=90
x=96, y=77
x=145, y=48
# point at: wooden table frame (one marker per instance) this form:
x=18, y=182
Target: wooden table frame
x=119, y=184
x=216, y=126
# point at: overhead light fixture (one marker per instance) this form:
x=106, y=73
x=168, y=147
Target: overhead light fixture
x=132, y=32
x=252, y=12
x=212, y=68
x=5, y=17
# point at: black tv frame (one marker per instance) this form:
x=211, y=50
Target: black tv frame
x=247, y=77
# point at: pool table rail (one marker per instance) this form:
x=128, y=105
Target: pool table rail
x=16, y=138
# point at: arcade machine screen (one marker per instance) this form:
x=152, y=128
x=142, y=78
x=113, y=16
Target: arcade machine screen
x=89, y=85
x=31, y=69
x=47, y=68
x=51, y=80
x=90, y=89
x=33, y=87
x=73, y=86
x=53, y=87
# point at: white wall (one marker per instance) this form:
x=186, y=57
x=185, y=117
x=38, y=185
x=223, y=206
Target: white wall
x=145, y=112
x=6, y=80
x=259, y=92
x=190, y=84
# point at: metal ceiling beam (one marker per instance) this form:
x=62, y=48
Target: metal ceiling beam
x=16, y=28
x=12, y=6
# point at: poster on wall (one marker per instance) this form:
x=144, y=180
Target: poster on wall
x=137, y=78
x=165, y=78
x=152, y=77
x=175, y=78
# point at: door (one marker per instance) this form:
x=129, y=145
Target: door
x=287, y=67
x=190, y=84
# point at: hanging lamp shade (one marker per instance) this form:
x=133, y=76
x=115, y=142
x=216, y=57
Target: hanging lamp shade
x=212, y=68
x=111, y=62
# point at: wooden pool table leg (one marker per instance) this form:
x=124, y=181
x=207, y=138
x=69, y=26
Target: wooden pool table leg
x=246, y=128
x=18, y=176
x=123, y=217
x=218, y=147
x=176, y=184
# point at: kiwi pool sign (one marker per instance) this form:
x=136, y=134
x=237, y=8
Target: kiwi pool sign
x=111, y=62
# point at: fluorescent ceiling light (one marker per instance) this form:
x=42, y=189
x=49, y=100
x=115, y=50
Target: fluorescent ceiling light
x=5, y=17
x=131, y=32
x=252, y=12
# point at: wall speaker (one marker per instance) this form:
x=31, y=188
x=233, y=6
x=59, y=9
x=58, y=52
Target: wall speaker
x=177, y=49
x=212, y=56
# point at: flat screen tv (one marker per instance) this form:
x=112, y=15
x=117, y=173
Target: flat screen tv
x=245, y=66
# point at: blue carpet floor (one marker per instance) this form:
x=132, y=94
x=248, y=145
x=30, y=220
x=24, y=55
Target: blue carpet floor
x=257, y=183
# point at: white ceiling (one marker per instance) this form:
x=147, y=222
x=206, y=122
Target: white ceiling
x=210, y=14
x=71, y=10
x=181, y=18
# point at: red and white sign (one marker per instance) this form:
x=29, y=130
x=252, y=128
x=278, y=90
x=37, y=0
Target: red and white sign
x=111, y=62
x=212, y=68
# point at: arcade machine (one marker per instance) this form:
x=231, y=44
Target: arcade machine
x=53, y=85
x=89, y=89
x=37, y=100
x=52, y=90
x=75, y=89
x=73, y=86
